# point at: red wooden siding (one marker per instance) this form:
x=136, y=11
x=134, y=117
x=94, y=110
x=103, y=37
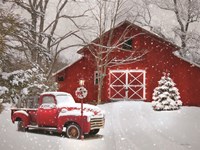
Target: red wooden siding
x=159, y=59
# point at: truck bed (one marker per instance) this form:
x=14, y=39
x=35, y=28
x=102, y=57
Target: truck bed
x=30, y=111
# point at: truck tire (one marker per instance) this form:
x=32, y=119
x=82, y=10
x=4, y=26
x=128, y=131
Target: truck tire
x=94, y=132
x=73, y=131
x=20, y=126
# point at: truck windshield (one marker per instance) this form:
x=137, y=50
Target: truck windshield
x=64, y=100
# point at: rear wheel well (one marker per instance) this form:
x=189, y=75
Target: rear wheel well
x=20, y=124
x=18, y=119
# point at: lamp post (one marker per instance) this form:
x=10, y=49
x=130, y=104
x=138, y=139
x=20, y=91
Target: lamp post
x=81, y=92
x=82, y=83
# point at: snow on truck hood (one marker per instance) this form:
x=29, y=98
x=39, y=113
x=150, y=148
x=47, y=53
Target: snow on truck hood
x=75, y=109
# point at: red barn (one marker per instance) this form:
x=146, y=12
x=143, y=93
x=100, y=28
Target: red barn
x=137, y=80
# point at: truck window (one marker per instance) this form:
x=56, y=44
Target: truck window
x=48, y=99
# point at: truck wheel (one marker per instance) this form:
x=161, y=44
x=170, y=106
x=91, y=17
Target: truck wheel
x=94, y=132
x=20, y=126
x=73, y=131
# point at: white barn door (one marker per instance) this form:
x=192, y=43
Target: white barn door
x=127, y=84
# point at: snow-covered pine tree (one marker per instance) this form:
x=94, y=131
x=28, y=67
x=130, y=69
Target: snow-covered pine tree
x=166, y=96
x=20, y=85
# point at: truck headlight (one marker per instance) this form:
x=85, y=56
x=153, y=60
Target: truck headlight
x=63, y=110
x=88, y=119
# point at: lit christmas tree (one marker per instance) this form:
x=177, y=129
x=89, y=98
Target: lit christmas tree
x=166, y=96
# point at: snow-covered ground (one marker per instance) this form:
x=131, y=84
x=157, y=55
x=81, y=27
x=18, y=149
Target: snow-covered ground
x=129, y=126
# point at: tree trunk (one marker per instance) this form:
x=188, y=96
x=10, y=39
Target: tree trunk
x=183, y=45
x=100, y=85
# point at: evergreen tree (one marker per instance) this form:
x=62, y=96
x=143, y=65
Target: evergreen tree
x=20, y=86
x=166, y=96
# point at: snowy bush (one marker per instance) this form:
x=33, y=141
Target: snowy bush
x=166, y=96
x=18, y=86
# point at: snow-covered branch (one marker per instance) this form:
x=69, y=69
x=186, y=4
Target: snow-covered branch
x=18, y=85
x=40, y=38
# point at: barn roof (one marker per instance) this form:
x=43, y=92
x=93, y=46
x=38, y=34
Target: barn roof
x=176, y=53
x=136, y=26
x=145, y=31
x=73, y=62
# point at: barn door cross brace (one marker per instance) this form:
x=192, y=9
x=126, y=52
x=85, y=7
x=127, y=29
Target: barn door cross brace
x=126, y=84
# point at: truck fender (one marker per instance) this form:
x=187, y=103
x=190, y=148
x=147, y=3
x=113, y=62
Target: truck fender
x=63, y=121
x=21, y=115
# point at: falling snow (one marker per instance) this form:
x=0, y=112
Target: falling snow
x=129, y=125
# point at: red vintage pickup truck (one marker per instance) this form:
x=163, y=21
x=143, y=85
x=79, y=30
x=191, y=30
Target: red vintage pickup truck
x=57, y=111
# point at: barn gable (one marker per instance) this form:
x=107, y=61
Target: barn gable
x=135, y=81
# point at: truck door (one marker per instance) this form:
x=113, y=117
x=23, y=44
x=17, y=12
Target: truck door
x=47, y=113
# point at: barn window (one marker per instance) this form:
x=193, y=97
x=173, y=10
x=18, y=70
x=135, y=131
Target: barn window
x=60, y=78
x=96, y=77
x=127, y=45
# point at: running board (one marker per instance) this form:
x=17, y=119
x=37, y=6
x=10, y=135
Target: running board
x=42, y=128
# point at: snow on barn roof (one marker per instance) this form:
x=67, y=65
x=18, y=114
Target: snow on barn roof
x=177, y=54
x=73, y=62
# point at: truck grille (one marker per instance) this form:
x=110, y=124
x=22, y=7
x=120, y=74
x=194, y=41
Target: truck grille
x=96, y=123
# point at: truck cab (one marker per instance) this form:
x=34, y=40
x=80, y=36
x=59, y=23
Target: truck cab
x=57, y=111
